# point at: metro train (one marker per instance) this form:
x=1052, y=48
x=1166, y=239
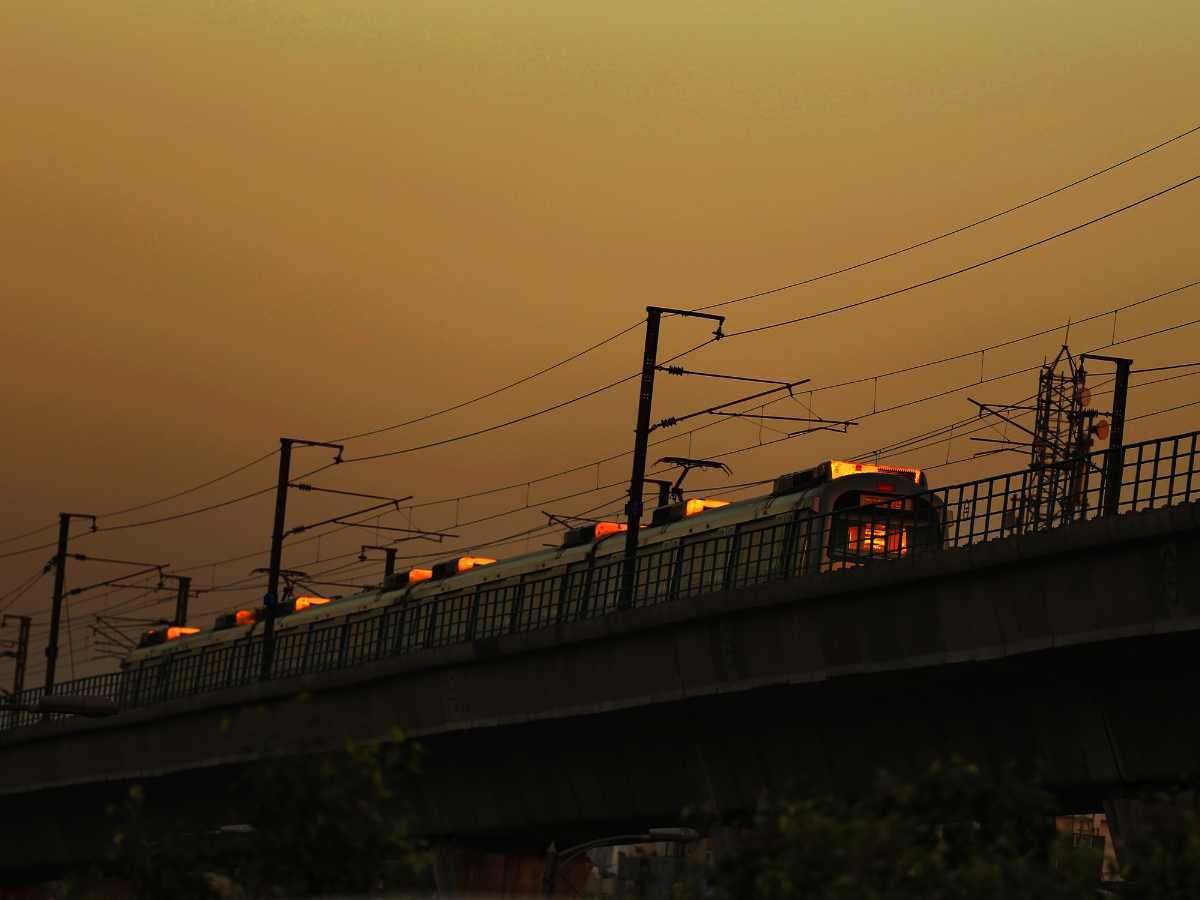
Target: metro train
x=832, y=516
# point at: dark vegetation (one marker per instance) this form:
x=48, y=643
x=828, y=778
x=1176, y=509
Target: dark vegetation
x=312, y=824
x=337, y=823
x=954, y=832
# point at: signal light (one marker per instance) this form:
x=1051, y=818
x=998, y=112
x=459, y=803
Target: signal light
x=419, y=575
x=467, y=563
x=178, y=631
x=245, y=617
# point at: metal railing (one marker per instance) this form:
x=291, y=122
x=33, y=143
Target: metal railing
x=1157, y=472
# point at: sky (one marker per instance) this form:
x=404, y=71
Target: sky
x=223, y=223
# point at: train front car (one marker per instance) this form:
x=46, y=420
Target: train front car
x=877, y=513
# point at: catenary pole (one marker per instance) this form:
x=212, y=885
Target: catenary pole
x=271, y=598
x=641, y=441
x=1114, y=461
x=60, y=577
x=21, y=654
x=181, y=599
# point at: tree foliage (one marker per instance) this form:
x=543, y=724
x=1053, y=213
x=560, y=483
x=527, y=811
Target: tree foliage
x=954, y=832
x=1162, y=859
x=304, y=824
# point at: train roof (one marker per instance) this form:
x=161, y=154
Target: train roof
x=673, y=521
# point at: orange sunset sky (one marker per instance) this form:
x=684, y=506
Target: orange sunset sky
x=225, y=222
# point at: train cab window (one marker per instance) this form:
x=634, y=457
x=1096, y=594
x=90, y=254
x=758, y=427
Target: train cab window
x=870, y=527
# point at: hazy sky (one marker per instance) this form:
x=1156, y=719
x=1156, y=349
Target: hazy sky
x=227, y=222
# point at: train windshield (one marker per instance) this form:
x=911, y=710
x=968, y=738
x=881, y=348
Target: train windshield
x=869, y=526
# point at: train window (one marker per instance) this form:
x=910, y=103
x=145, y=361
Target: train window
x=867, y=526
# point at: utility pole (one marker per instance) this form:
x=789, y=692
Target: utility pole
x=21, y=654
x=641, y=440
x=60, y=577
x=271, y=598
x=1114, y=461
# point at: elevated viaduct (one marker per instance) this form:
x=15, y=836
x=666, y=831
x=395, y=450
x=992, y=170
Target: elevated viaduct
x=1071, y=650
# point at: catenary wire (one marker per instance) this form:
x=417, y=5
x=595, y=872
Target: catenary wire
x=959, y=230
x=904, y=370
x=603, y=388
x=964, y=269
x=796, y=320
x=489, y=394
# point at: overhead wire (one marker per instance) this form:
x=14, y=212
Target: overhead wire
x=880, y=376
x=489, y=394
x=10, y=599
x=524, y=534
x=964, y=269
x=793, y=321
x=877, y=377
x=958, y=230
x=613, y=384
x=586, y=395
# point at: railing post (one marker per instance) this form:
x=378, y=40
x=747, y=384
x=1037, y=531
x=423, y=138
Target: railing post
x=514, y=619
x=473, y=617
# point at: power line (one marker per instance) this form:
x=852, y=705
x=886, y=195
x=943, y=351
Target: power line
x=823, y=276
x=30, y=533
x=22, y=589
x=191, y=490
x=489, y=394
x=959, y=230
x=594, y=392
x=970, y=268
x=880, y=376
x=528, y=533
x=492, y=393
x=906, y=445
x=875, y=412
x=496, y=427
x=160, y=500
x=1159, y=412
x=843, y=308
